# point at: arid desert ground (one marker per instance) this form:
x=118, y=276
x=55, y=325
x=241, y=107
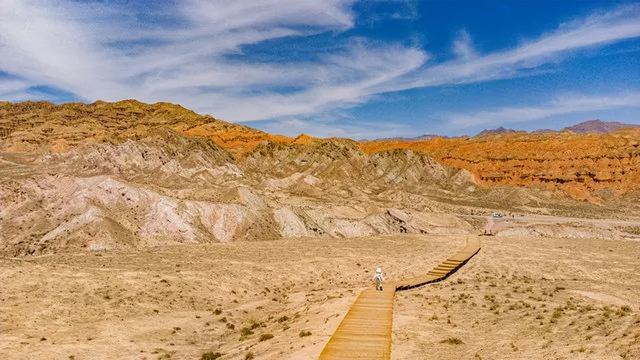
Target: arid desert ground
x=147, y=231
x=519, y=297
x=231, y=180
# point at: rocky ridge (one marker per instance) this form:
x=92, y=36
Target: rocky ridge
x=128, y=175
x=585, y=166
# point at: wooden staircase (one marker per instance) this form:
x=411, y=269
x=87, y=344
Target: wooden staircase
x=365, y=331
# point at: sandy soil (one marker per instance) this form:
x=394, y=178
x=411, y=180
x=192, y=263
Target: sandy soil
x=528, y=298
x=518, y=298
x=180, y=302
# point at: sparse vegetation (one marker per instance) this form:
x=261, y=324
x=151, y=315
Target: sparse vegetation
x=245, y=331
x=635, y=230
x=304, y=333
x=452, y=341
x=210, y=355
x=266, y=336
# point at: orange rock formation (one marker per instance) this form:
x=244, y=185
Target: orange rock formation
x=585, y=166
x=579, y=164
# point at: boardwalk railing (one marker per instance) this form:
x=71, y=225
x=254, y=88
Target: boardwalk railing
x=365, y=332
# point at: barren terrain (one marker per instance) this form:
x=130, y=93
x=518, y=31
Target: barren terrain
x=524, y=298
x=180, y=302
x=138, y=231
x=519, y=297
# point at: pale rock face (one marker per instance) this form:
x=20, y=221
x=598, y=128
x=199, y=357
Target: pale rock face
x=72, y=225
x=164, y=220
x=282, y=183
x=290, y=224
x=463, y=177
x=251, y=199
x=223, y=221
x=226, y=170
x=311, y=180
x=351, y=228
x=398, y=215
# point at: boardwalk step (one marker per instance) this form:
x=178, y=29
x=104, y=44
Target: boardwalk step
x=451, y=262
x=447, y=267
x=365, y=332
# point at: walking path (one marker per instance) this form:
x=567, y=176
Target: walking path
x=365, y=332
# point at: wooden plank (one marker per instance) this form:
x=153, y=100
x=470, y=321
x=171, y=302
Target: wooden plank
x=365, y=331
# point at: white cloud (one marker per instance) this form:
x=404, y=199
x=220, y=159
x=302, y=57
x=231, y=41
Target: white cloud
x=562, y=105
x=187, y=64
x=9, y=87
x=333, y=128
x=463, y=46
x=105, y=52
x=596, y=30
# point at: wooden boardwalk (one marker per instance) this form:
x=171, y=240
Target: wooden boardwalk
x=365, y=332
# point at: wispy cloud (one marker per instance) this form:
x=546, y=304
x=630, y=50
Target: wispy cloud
x=463, y=46
x=562, y=105
x=596, y=30
x=10, y=87
x=55, y=43
x=333, y=128
x=184, y=54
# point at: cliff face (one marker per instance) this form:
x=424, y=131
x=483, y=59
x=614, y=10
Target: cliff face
x=582, y=165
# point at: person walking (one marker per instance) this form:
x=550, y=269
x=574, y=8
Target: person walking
x=378, y=278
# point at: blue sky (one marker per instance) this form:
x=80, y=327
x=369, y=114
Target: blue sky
x=338, y=67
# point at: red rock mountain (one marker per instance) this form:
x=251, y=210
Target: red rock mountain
x=593, y=158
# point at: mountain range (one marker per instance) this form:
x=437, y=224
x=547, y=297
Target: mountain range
x=589, y=126
x=130, y=174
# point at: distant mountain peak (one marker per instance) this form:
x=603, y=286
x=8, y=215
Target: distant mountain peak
x=500, y=130
x=598, y=126
x=416, y=138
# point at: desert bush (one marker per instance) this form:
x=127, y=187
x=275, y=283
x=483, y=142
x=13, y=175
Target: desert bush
x=249, y=356
x=255, y=324
x=304, y=333
x=245, y=331
x=624, y=310
x=635, y=230
x=452, y=341
x=557, y=312
x=266, y=336
x=210, y=355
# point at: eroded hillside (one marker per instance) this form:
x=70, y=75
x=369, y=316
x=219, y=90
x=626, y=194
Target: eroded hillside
x=129, y=175
x=41, y=126
x=585, y=166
